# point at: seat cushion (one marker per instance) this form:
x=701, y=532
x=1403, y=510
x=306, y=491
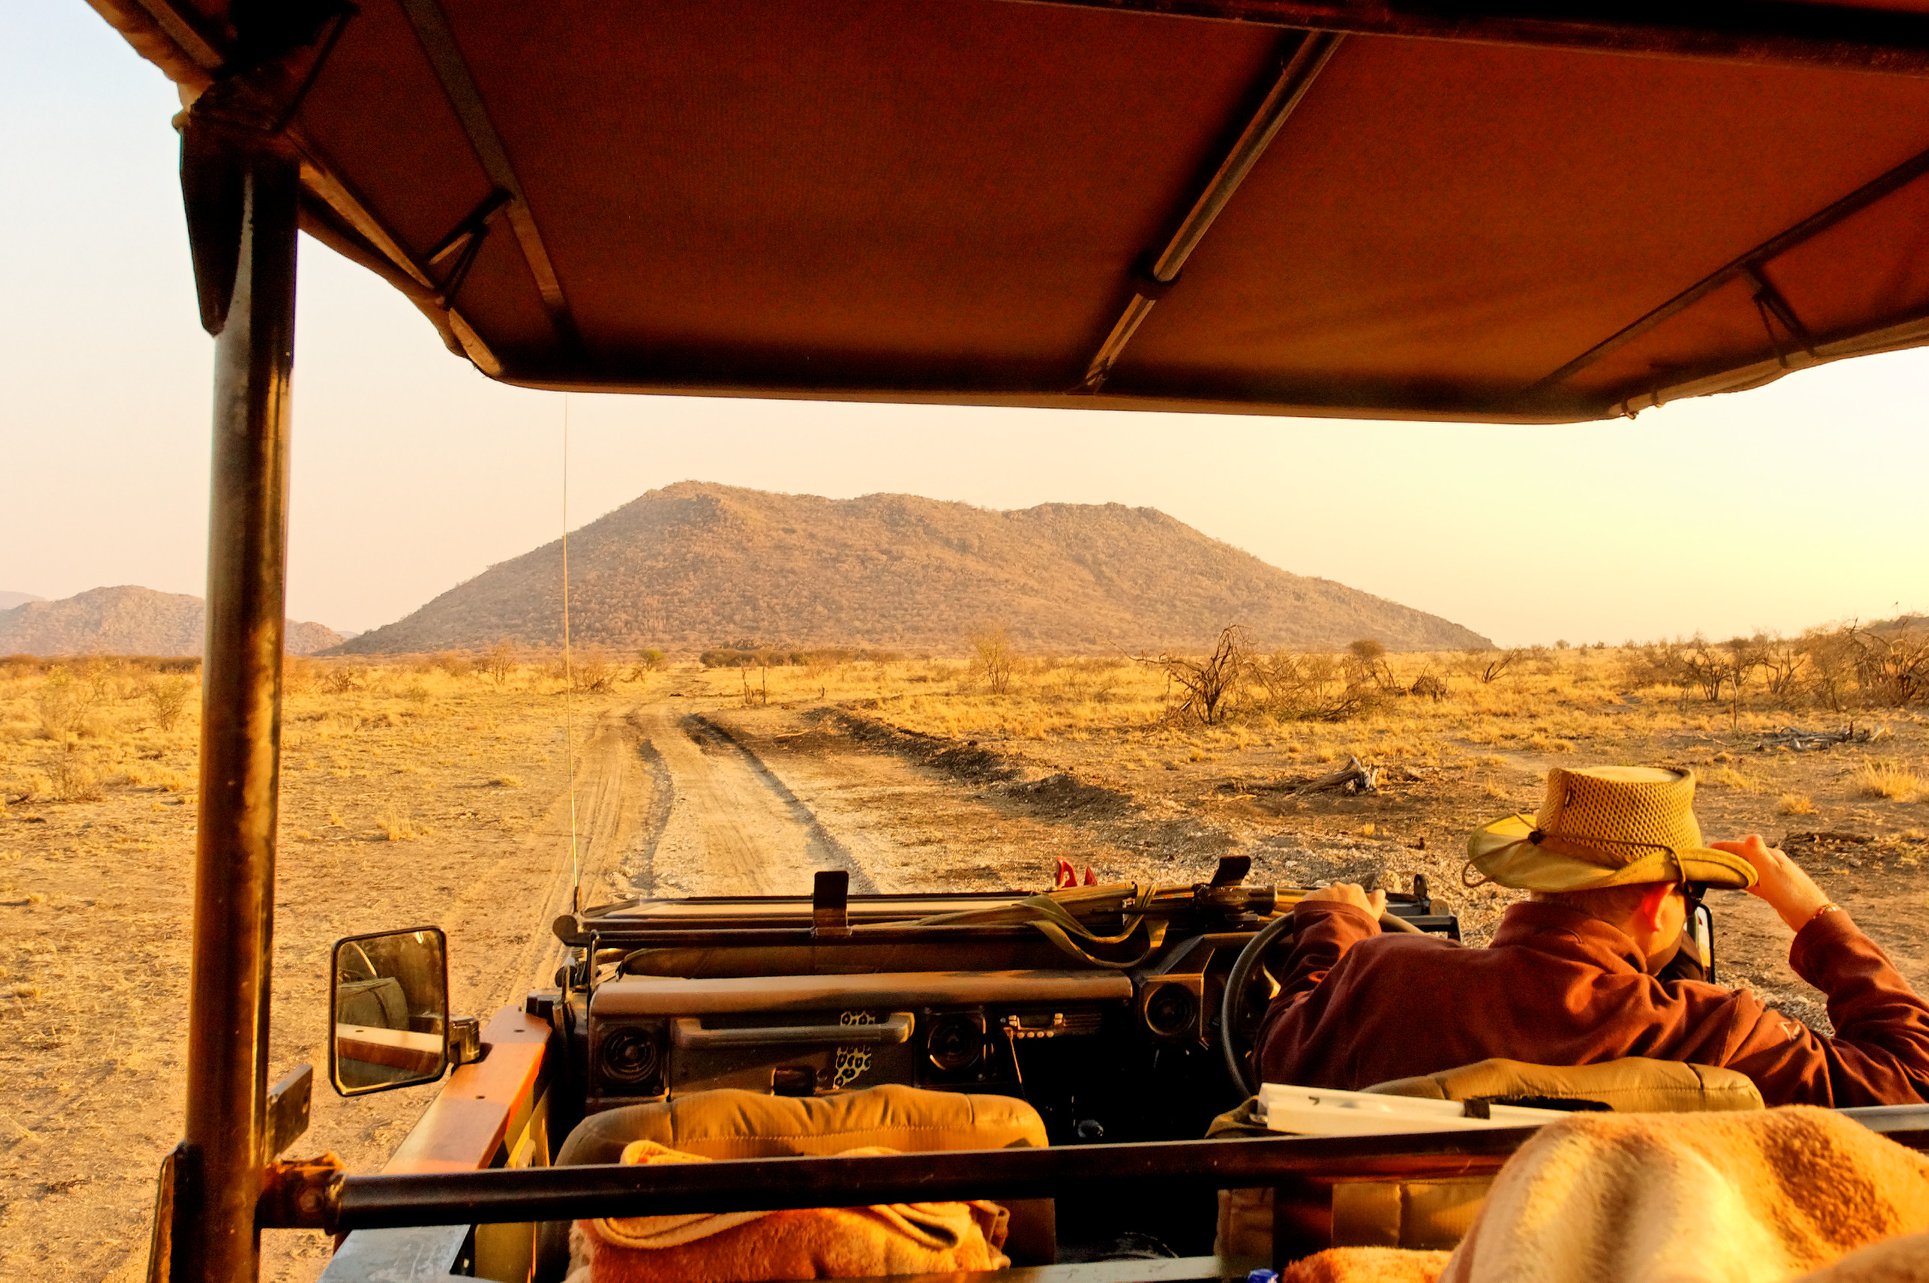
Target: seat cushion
x=1632, y=1085
x=731, y=1123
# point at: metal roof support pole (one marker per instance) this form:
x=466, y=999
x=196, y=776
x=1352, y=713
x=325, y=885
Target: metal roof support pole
x=1304, y=60
x=234, y=867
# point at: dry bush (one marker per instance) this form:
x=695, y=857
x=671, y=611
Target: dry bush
x=1796, y=804
x=1429, y=686
x=498, y=662
x=70, y=774
x=340, y=679
x=1209, y=684
x=1893, y=668
x=1487, y=665
x=591, y=669
x=60, y=704
x=1312, y=688
x=167, y=698
x=992, y=659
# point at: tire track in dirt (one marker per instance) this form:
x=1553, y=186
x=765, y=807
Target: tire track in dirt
x=732, y=826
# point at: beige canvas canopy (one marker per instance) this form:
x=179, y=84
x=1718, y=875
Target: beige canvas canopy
x=1113, y=203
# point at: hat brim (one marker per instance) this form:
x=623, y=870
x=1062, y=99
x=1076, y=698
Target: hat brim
x=1504, y=853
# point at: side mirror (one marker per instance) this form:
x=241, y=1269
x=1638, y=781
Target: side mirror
x=388, y=998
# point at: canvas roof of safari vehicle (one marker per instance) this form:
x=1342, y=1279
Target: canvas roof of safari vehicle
x=1547, y=216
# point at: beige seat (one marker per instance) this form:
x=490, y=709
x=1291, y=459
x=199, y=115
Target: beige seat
x=1436, y=1214
x=729, y=1123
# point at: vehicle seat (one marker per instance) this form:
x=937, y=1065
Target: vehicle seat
x=1436, y=1214
x=731, y=1123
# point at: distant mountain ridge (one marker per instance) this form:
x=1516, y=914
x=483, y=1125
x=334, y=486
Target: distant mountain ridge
x=696, y=564
x=127, y=621
x=8, y=600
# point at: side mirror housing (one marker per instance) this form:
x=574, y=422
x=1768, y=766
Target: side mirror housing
x=388, y=1002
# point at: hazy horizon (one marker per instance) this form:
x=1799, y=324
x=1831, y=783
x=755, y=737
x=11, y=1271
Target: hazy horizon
x=1788, y=507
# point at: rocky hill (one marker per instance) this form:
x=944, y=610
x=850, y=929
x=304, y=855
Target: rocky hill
x=8, y=600
x=702, y=565
x=126, y=621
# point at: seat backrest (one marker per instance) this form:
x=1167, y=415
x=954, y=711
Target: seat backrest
x=1630, y=1085
x=732, y=1123
x=1435, y=1214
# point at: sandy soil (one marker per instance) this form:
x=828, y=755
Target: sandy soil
x=678, y=791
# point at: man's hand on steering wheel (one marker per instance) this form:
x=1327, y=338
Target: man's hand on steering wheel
x=1374, y=902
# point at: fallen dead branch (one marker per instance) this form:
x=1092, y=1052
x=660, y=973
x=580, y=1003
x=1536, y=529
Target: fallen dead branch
x=1798, y=740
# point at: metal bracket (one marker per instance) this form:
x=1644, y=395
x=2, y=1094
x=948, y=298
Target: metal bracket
x=288, y=1109
x=1231, y=870
x=465, y=1042
x=464, y=243
x=830, y=900
x=1774, y=309
x=279, y=50
x=301, y=1195
x=176, y=1197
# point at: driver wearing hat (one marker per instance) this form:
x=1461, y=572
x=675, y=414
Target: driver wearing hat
x=1571, y=977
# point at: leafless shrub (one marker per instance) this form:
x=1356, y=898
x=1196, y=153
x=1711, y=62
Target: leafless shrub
x=1209, y=684
x=992, y=659
x=59, y=704
x=70, y=774
x=1429, y=686
x=759, y=695
x=591, y=669
x=1893, y=668
x=167, y=698
x=1485, y=665
x=498, y=662
x=340, y=679
x=1311, y=688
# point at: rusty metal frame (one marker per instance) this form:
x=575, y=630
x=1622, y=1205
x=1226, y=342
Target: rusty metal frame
x=229, y=1132
x=1890, y=41
x=438, y=41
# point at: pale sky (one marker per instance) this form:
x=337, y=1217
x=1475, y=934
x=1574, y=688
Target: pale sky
x=1797, y=504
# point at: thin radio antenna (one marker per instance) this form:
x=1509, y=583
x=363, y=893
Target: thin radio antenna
x=569, y=691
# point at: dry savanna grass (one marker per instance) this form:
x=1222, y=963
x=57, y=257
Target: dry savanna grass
x=1890, y=780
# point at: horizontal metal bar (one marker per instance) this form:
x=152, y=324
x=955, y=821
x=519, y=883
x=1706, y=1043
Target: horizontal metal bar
x=1753, y=261
x=688, y=1031
x=1892, y=41
x=769, y=1184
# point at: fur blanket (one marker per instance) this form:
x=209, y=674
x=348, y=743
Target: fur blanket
x=812, y=1243
x=1768, y=1197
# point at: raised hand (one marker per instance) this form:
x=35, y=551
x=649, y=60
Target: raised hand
x=1788, y=890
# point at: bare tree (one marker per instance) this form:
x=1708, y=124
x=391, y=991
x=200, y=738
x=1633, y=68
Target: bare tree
x=992, y=659
x=1487, y=664
x=167, y=698
x=1210, y=683
x=498, y=661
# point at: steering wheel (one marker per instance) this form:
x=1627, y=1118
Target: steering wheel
x=1238, y=1016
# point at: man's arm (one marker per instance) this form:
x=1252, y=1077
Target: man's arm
x=1880, y=1052
x=1326, y=923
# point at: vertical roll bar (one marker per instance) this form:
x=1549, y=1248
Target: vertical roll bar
x=234, y=867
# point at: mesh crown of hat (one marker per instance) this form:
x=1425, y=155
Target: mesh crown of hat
x=1628, y=817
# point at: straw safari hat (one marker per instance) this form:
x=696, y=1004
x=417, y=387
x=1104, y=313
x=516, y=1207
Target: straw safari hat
x=1606, y=826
